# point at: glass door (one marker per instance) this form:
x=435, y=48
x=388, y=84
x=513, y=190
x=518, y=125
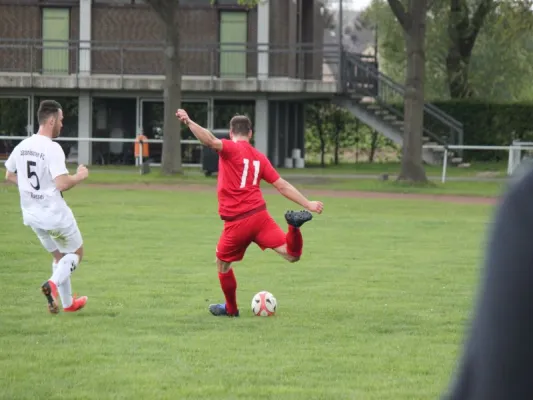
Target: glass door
x=152, y=117
x=15, y=119
x=152, y=113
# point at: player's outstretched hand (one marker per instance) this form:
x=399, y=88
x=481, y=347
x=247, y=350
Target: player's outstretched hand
x=182, y=116
x=82, y=172
x=316, y=207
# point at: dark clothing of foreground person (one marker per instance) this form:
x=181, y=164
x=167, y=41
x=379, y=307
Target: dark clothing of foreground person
x=497, y=362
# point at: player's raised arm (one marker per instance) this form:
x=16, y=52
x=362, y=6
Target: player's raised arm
x=202, y=134
x=293, y=194
x=271, y=176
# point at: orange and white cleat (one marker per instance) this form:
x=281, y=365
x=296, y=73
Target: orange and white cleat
x=77, y=304
x=49, y=290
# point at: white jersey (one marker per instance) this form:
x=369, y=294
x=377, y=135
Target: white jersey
x=37, y=161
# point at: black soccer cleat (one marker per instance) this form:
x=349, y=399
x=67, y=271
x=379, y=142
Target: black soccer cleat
x=298, y=218
x=49, y=290
x=219, y=310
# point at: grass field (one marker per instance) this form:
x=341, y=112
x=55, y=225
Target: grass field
x=334, y=178
x=478, y=169
x=494, y=169
x=374, y=310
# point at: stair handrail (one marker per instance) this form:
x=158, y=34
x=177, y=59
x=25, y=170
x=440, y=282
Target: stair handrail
x=434, y=109
x=395, y=110
x=428, y=107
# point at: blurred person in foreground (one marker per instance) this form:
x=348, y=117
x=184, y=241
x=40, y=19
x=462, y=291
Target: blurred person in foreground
x=497, y=359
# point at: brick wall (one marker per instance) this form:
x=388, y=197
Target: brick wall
x=279, y=36
x=18, y=22
x=199, y=27
x=252, y=41
x=291, y=23
x=112, y=25
x=74, y=36
x=24, y=22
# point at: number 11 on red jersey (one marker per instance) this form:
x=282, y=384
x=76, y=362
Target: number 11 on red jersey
x=256, y=165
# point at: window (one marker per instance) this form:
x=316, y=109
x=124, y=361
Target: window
x=233, y=38
x=56, y=35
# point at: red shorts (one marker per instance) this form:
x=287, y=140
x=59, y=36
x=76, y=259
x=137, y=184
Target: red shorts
x=237, y=235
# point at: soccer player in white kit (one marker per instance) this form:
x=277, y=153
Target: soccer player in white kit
x=37, y=166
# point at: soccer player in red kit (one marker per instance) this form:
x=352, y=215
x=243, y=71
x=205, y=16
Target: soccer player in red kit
x=242, y=208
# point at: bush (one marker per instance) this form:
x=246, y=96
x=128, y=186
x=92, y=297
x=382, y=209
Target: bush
x=490, y=124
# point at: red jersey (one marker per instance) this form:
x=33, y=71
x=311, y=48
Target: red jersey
x=240, y=170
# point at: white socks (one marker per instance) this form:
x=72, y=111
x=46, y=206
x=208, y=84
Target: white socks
x=65, y=290
x=61, y=277
x=65, y=267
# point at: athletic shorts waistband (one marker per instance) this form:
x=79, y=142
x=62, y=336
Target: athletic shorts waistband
x=244, y=215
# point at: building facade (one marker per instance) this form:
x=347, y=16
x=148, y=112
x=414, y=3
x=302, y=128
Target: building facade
x=104, y=61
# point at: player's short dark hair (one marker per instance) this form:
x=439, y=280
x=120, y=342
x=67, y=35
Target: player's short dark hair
x=47, y=109
x=240, y=125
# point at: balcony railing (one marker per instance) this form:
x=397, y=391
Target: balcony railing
x=228, y=60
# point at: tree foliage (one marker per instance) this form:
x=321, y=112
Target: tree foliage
x=332, y=130
x=492, y=124
x=500, y=63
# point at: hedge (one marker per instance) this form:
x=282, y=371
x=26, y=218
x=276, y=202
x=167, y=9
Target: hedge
x=491, y=124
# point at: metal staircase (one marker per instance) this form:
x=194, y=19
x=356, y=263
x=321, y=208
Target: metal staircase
x=377, y=100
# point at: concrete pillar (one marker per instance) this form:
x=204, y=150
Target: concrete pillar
x=276, y=132
x=84, y=57
x=30, y=129
x=261, y=125
x=293, y=39
x=263, y=38
x=300, y=128
x=287, y=142
x=85, y=129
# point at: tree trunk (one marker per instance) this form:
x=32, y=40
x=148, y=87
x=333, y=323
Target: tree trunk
x=337, y=145
x=373, y=145
x=338, y=130
x=357, y=139
x=319, y=121
x=412, y=169
x=322, y=151
x=171, y=160
x=457, y=74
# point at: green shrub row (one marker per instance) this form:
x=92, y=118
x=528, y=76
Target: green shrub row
x=489, y=124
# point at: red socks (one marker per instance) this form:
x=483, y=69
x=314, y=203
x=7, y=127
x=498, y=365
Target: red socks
x=228, y=283
x=295, y=241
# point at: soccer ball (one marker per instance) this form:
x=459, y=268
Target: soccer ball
x=264, y=304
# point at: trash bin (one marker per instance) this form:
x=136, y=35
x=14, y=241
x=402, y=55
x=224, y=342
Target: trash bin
x=210, y=156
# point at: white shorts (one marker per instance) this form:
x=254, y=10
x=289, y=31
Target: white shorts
x=65, y=240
